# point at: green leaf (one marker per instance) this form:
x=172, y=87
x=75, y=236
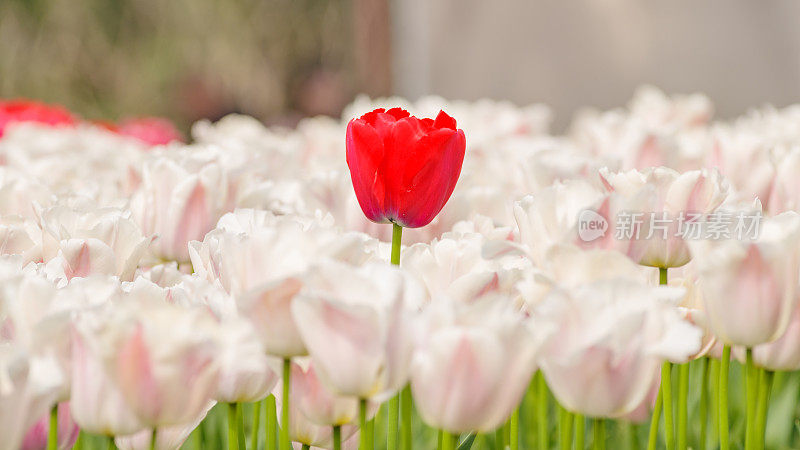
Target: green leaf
x=466, y=443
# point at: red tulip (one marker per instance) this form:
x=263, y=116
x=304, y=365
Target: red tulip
x=403, y=168
x=32, y=111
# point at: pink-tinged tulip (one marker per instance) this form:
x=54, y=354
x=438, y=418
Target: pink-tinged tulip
x=472, y=364
x=641, y=413
x=245, y=374
x=693, y=310
x=29, y=386
x=605, y=341
x=317, y=404
x=742, y=154
x=569, y=266
x=301, y=429
x=165, y=275
x=34, y=317
x=36, y=438
x=161, y=356
x=92, y=241
x=260, y=260
x=167, y=438
x=357, y=326
x=403, y=168
x=784, y=353
x=667, y=196
x=15, y=111
x=150, y=130
x=20, y=236
x=98, y=405
x=192, y=291
x=750, y=287
x=550, y=216
x=178, y=202
x=456, y=268
x=656, y=131
x=785, y=194
x=21, y=194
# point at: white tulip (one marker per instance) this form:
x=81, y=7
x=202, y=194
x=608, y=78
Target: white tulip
x=472, y=364
x=357, y=324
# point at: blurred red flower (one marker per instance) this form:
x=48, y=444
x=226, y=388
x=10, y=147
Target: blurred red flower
x=32, y=111
x=151, y=130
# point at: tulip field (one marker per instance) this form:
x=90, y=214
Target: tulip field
x=414, y=275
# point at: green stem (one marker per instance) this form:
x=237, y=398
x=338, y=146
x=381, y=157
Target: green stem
x=270, y=438
x=395, y=406
x=703, y=404
x=52, y=432
x=233, y=439
x=366, y=443
x=500, y=437
x=580, y=431
x=631, y=436
x=337, y=437
x=439, y=439
x=666, y=384
x=305, y=447
x=153, y=439
x=764, y=390
x=256, y=424
x=240, y=427
x=713, y=378
x=654, y=419
x=529, y=405
x=751, y=381
x=198, y=441
x=371, y=431
x=79, y=441
x=448, y=441
x=565, y=429
x=406, y=406
x=110, y=444
x=397, y=236
x=392, y=419
x=514, y=430
x=599, y=434
x=683, y=404
x=542, y=416
x=666, y=388
x=287, y=383
x=724, y=432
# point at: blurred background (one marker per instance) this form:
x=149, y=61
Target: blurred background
x=280, y=60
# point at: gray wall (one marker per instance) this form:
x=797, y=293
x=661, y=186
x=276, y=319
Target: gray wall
x=573, y=53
